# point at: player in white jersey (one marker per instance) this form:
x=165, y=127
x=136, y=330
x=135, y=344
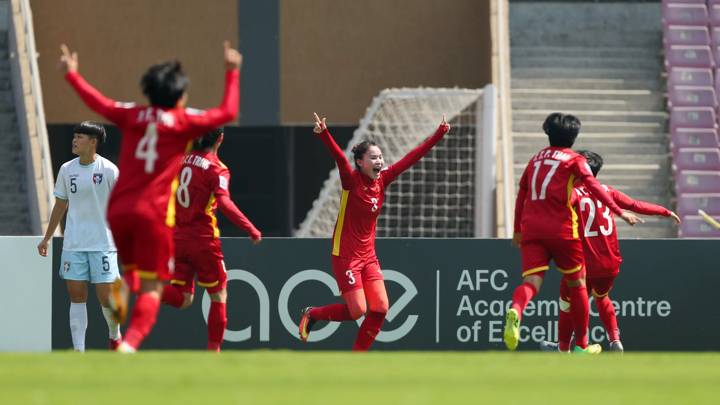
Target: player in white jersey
x=83, y=188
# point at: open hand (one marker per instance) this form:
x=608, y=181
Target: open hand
x=68, y=60
x=675, y=217
x=233, y=58
x=320, y=126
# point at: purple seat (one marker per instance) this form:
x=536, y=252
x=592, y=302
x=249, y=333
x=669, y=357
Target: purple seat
x=692, y=117
x=715, y=15
x=715, y=36
x=696, y=158
x=689, y=204
x=695, y=56
x=691, y=96
x=690, y=77
x=694, y=138
x=685, y=14
x=687, y=35
x=694, y=226
x=692, y=181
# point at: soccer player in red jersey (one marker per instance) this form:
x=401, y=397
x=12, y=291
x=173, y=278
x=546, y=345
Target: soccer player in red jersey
x=141, y=212
x=602, y=254
x=204, y=186
x=354, y=262
x=546, y=225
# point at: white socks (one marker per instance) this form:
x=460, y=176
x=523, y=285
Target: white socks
x=78, y=325
x=113, y=327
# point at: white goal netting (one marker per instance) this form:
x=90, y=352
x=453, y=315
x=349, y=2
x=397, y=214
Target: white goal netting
x=435, y=197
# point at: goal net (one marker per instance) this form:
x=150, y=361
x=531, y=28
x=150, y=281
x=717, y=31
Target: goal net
x=436, y=197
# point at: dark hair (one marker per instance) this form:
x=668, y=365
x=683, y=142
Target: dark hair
x=561, y=129
x=91, y=129
x=360, y=149
x=164, y=84
x=594, y=160
x=208, y=139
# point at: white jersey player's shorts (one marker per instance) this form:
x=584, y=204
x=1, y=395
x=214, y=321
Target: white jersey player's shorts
x=95, y=267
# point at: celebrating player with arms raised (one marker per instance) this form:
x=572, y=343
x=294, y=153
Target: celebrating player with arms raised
x=204, y=186
x=546, y=225
x=141, y=212
x=354, y=262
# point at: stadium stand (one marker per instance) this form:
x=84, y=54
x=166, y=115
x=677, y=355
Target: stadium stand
x=691, y=36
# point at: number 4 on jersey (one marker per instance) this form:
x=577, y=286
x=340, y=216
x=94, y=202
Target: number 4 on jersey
x=147, y=148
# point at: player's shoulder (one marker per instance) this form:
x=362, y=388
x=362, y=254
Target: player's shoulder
x=105, y=162
x=71, y=164
x=193, y=111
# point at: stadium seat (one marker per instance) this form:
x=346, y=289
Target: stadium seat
x=694, y=138
x=687, y=35
x=691, y=96
x=695, y=56
x=694, y=226
x=692, y=117
x=685, y=14
x=689, y=204
x=692, y=181
x=715, y=36
x=697, y=159
x=715, y=15
x=691, y=77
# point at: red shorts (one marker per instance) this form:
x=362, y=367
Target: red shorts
x=600, y=287
x=537, y=253
x=350, y=274
x=144, y=243
x=203, y=258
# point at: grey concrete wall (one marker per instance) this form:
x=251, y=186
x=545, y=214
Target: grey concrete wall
x=561, y=23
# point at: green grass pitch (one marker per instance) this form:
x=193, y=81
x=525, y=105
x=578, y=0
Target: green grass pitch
x=313, y=377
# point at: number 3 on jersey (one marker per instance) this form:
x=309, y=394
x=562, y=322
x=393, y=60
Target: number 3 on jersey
x=543, y=188
x=183, y=194
x=147, y=147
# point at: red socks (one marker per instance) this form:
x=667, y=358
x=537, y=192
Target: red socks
x=332, y=312
x=580, y=311
x=217, y=321
x=143, y=318
x=606, y=310
x=368, y=331
x=172, y=296
x=522, y=295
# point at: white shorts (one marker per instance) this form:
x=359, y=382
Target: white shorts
x=95, y=267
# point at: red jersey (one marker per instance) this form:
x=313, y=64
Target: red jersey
x=362, y=197
x=204, y=180
x=153, y=144
x=543, y=208
x=600, y=241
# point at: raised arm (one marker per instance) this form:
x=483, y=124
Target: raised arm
x=96, y=101
x=393, y=171
x=582, y=172
x=341, y=160
x=203, y=121
x=641, y=207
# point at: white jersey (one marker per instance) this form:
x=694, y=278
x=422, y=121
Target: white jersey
x=87, y=189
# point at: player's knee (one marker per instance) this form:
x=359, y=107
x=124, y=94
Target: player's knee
x=574, y=280
x=534, y=280
x=380, y=307
x=357, y=311
x=220, y=296
x=187, y=301
x=564, y=305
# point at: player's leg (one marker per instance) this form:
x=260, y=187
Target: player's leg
x=565, y=321
x=212, y=276
x=180, y=291
x=353, y=307
x=377, y=306
x=75, y=271
x=535, y=259
x=120, y=289
x=217, y=319
x=154, y=257
x=103, y=272
x=601, y=288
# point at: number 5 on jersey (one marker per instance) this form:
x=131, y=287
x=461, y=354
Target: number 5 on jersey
x=147, y=147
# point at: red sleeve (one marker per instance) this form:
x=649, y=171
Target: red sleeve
x=520, y=200
x=641, y=207
x=583, y=173
x=233, y=213
x=203, y=121
x=221, y=182
x=96, y=101
x=393, y=171
x=340, y=159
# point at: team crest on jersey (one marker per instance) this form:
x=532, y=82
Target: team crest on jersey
x=97, y=178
